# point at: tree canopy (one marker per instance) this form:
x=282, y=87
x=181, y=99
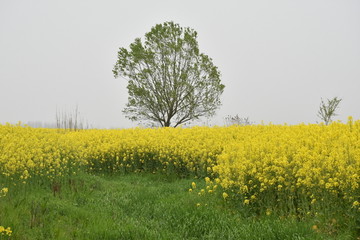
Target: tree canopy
x=169, y=81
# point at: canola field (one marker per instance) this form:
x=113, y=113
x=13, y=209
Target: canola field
x=289, y=170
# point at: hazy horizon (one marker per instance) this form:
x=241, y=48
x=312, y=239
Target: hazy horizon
x=277, y=58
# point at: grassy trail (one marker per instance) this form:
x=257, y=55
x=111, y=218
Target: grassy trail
x=137, y=206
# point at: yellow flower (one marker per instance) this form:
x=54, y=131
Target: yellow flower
x=207, y=180
x=225, y=195
x=268, y=212
x=8, y=231
x=4, y=191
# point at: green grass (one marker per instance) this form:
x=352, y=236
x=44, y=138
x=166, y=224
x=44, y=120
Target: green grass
x=138, y=206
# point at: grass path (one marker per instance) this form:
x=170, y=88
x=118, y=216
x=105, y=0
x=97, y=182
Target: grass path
x=136, y=206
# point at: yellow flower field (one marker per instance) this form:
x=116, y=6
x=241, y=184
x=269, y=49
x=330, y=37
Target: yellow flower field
x=299, y=168
x=265, y=166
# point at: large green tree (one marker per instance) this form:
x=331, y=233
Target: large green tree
x=169, y=81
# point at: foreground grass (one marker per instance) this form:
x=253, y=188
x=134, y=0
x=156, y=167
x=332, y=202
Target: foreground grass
x=138, y=206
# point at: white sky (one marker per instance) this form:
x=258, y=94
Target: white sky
x=277, y=58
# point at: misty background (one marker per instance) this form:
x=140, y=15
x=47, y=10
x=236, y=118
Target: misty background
x=277, y=58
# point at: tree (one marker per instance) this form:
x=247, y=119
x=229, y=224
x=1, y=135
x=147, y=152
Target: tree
x=169, y=80
x=327, y=110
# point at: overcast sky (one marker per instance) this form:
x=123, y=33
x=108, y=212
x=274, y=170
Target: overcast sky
x=277, y=58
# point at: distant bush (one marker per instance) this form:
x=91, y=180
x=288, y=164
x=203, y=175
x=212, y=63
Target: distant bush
x=237, y=120
x=327, y=110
